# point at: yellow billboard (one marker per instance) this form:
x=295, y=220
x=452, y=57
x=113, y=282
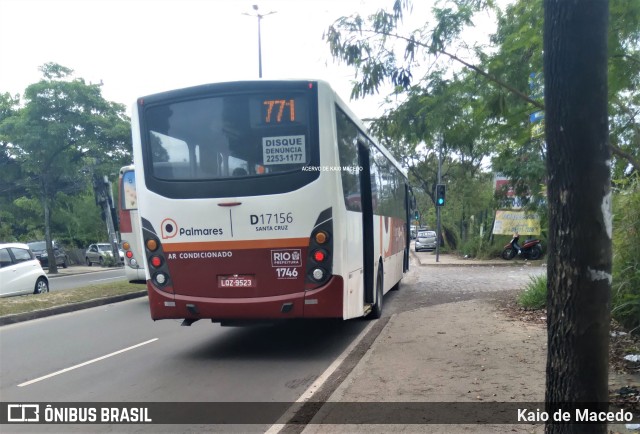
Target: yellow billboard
x=508, y=222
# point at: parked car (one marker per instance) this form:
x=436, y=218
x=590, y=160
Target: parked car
x=98, y=253
x=426, y=240
x=20, y=271
x=39, y=249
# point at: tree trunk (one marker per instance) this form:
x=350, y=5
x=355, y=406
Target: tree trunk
x=579, y=195
x=46, y=205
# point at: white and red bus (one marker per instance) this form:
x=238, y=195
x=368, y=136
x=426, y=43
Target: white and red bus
x=130, y=225
x=266, y=200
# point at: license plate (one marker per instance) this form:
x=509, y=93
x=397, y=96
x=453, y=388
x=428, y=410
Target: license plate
x=237, y=281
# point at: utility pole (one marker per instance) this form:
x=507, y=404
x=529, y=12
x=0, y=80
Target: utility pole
x=104, y=199
x=259, y=16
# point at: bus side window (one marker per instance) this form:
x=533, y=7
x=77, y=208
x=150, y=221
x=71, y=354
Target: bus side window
x=163, y=170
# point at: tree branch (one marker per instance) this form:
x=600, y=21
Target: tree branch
x=630, y=158
x=474, y=68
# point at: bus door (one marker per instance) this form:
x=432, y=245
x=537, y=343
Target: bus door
x=367, y=220
x=410, y=207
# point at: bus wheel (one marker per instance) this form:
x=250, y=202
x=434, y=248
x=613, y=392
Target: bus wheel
x=376, y=312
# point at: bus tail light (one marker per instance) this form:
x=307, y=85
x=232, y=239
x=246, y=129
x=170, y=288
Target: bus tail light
x=156, y=260
x=320, y=256
x=160, y=279
x=318, y=274
x=321, y=237
x=152, y=245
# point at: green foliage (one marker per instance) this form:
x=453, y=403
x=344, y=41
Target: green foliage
x=110, y=261
x=481, y=248
x=484, y=109
x=534, y=295
x=51, y=144
x=77, y=221
x=626, y=258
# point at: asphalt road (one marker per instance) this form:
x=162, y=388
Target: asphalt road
x=62, y=282
x=116, y=353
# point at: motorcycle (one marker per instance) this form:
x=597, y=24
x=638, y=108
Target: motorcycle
x=530, y=249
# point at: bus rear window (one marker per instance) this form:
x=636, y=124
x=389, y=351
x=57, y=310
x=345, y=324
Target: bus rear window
x=234, y=136
x=128, y=195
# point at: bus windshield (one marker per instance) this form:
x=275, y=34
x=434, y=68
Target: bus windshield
x=228, y=136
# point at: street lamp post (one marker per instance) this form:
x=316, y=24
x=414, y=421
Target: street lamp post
x=259, y=16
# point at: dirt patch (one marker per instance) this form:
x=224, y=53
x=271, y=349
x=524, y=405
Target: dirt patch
x=624, y=375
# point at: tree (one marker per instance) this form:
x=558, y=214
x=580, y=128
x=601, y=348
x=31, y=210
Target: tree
x=381, y=54
x=64, y=127
x=579, y=191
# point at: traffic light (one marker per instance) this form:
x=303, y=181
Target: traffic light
x=440, y=194
x=417, y=215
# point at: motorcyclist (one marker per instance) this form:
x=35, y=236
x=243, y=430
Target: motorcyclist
x=516, y=237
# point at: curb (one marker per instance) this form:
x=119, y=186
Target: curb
x=20, y=317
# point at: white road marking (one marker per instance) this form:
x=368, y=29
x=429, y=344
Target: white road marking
x=110, y=278
x=62, y=371
x=277, y=427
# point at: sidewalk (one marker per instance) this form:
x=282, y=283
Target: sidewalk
x=462, y=352
x=429, y=258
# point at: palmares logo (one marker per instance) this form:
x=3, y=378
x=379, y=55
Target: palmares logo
x=169, y=229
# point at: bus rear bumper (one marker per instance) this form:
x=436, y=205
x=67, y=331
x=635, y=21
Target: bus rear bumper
x=323, y=302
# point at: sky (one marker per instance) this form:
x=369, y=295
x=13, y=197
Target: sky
x=139, y=47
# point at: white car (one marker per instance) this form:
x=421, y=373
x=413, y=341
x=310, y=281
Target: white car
x=20, y=271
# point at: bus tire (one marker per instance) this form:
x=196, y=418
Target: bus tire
x=376, y=312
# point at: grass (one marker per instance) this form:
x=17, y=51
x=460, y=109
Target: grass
x=33, y=302
x=535, y=293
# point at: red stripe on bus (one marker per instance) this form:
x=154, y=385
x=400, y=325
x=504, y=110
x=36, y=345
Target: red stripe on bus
x=235, y=245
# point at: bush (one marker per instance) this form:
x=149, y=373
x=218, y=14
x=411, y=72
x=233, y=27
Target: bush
x=481, y=248
x=535, y=293
x=110, y=261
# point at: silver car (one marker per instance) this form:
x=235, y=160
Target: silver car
x=98, y=253
x=426, y=240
